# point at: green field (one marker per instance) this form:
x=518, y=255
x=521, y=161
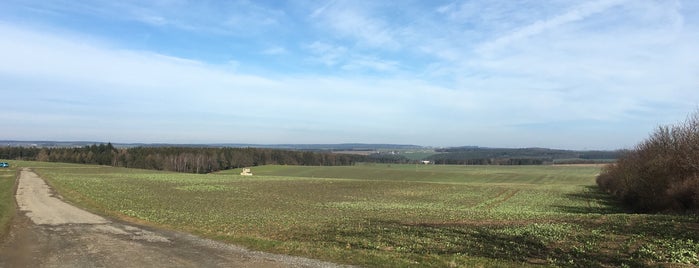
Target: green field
x=393, y=215
x=558, y=175
x=7, y=203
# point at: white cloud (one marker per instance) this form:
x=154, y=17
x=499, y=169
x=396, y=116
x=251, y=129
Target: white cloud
x=31, y=54
x=603, y=60
x=347, y=19
x=334, y=56
x=164, y=95
x=574, y=14
x=480, y=72
x=327, y=54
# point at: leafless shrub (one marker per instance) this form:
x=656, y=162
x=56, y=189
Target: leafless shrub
x=684, y=194
x=661, y=173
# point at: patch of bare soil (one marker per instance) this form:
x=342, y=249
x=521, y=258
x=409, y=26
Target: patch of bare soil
x=48, y=232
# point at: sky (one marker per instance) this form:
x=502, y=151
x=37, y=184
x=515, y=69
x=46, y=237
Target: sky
x=515, y=73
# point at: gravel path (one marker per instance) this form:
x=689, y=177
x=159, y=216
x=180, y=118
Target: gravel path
x=48, y=232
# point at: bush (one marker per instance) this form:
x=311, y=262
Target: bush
x=660, y=173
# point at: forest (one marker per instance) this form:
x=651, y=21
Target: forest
x=178, y=159
x=471, y=155
x=204, y=159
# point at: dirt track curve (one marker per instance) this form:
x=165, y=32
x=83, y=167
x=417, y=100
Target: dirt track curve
x=48, y=232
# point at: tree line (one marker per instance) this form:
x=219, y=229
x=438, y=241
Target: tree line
x=661, y=173
x=472, y=155
x=179, y=159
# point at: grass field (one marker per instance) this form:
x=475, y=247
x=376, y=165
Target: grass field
x=393, y=215
x=7, y=203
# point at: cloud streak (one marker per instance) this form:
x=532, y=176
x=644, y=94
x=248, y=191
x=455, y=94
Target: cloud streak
x=347, y=20
x=583, y=75
x=574, y=14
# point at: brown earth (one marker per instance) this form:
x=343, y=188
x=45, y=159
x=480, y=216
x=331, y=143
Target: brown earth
x=47, y=232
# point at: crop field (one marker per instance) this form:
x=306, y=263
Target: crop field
x=393, y=215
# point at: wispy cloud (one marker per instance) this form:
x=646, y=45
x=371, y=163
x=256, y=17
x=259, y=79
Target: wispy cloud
x=327, y=54
x=346, y=19
x=574, y=14
x=142, y=88
x=332, y=55
x=588, y=57
x=229, y=17
x=496, y=73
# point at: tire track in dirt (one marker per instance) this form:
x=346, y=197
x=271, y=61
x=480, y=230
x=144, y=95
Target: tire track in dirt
x=47, y=232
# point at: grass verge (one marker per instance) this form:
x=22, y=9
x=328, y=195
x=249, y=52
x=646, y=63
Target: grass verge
x=7, y=202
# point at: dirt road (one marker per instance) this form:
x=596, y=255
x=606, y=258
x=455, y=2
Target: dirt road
x=48, y=232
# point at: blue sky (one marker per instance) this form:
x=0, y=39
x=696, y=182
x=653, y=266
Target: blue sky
x=561, y=74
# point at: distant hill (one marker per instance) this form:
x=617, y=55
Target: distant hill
x=47, y=144
x=389, y=153
x=519, y=156
x=313, y=147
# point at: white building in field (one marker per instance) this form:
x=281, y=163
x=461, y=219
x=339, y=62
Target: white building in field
x=246, y=172
x=426, y=162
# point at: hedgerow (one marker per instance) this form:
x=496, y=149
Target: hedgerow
x=661, y=173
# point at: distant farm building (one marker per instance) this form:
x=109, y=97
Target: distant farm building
x=426, y=162
x=246, y=172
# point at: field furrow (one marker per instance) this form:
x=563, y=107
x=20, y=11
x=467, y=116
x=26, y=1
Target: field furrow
x=393, y=215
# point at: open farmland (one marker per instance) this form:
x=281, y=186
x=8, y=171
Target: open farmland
x=397, y=215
